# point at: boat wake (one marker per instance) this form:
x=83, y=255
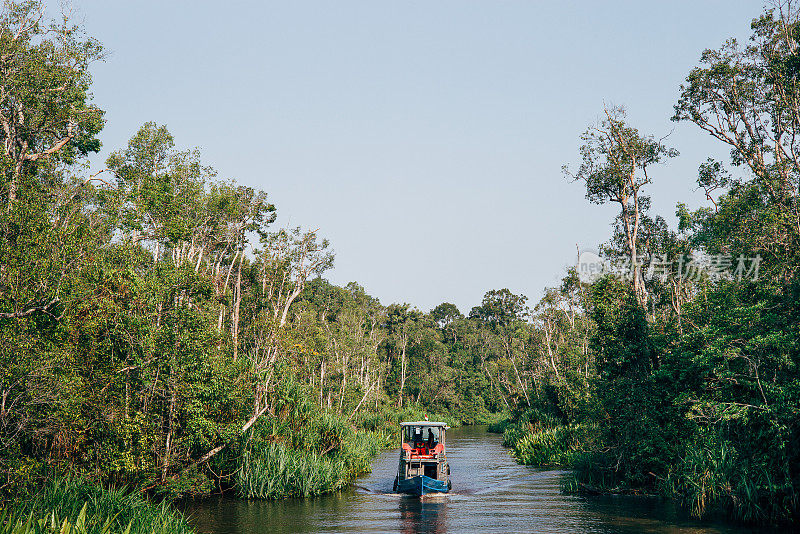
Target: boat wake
x=428, y=496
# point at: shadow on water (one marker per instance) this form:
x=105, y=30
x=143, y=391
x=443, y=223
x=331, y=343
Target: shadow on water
x=491, y=493
x=423, y=516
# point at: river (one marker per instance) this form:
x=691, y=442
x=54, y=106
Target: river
x=491, y=493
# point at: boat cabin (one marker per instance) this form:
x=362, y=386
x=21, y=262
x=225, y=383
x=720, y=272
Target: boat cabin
x=422, y=455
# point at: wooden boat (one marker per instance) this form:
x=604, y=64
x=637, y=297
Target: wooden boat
x=423, y=467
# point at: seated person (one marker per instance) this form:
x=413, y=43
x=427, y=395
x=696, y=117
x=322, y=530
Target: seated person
x=431, y=439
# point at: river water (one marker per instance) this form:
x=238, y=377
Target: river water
x=491, y=493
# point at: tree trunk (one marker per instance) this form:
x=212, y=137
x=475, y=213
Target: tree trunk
x=402, y=376
x=235, y=312
x=13, y=186
x=344, y=383
x=168, y=443
x=321, y=382
x=225, y=290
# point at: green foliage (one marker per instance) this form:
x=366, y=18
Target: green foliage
x=72, y=506
x=551, y=446
x=147, y=342
x=536, y=437
x=713, y=477
x=445, y=313
x=593, y=472
x=304, y=450
x=620, y=342
x=275, y=471
x=46, y=103
x=499, y=308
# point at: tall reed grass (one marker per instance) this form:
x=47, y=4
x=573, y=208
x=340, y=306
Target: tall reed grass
x=73, y=506
x=551, y=446
x=323, y=454
x=537, y=438
x=593, y=472
x=276, y=471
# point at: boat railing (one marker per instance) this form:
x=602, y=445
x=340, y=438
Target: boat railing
x=423, y=452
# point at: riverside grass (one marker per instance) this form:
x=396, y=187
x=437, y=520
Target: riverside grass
x=74, y=506
x=276, y=471
x=551, y=446
x=306, y=450
x=708, y=480
x=537, y=438
x=711, y=478
x=295, y=467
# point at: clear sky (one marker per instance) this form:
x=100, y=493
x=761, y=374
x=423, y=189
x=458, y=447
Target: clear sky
x=425, y=139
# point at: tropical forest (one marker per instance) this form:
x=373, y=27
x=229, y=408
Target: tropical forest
x=166, y=338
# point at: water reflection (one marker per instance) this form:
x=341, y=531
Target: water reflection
x=423, y=516
x=491, y=493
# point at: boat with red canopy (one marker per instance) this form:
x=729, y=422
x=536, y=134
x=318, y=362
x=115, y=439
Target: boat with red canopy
x=423, y=466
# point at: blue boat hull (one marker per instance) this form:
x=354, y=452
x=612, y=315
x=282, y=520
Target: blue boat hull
x=422, y=485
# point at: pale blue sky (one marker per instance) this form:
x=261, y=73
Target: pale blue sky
x=425, y=139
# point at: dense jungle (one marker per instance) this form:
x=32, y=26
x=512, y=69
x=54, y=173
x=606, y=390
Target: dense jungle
x=163, y=338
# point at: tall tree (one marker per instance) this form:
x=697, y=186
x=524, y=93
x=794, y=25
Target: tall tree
x=748, y=97
x=45, y=105
x=614, y=168
x=403, y=326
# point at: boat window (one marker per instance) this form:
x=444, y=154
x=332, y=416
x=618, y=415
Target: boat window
x=422, y=433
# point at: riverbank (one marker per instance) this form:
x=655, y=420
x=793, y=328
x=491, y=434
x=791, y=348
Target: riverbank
x=279, y=460
x=322, y=457
x=704, y=484
x=571, y=446
x=491, y=493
